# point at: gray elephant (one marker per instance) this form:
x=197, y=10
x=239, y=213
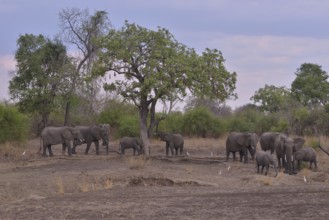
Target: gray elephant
x=59, y=135
x=267, y=141
x=285, y=148
x=241, y=142
x=173, y=141
x=93, y=134
x=130, y=142
x=265, y=159
x=306, y=154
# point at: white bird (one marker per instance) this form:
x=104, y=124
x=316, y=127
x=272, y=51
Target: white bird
x=229, y=166
x=23, y=154
x=220, y=172
x=187, y=153
x=305, y=179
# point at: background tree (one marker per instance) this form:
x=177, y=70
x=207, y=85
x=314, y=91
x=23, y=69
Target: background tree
x=310, y=86
x=82, y=30
x=271, y=98
x=215, y=106
x=40, y=75
x=154, y=66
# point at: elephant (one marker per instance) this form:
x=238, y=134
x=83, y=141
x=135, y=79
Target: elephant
x=94, y=134
x=265, y=159
x=173, y=141
x=241, y=142
x=285, y=147
x=130, y=142
x=59, y=135
x=267, y=141
x=306, y=154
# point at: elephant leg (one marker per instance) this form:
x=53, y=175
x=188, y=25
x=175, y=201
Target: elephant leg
x=73, y=149
x=258, y=168
x=97, y=147
x=63, y=148
x=176, y=151
x=315, y=165
x=50, y=151
x=44, y=153
x=262, y=169
x=245, y=154
x=227, y=155
x=87, y=148
x=171, y=149
x=266, y=170
x=181, y=150
x=167, y=149
x=241, y=155
x=69, y=149
x=233, y=153
x=134, y=151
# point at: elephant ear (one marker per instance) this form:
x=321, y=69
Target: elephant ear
x=243, y=140
x=298, y=143
x=69, y=133
x=96, y=132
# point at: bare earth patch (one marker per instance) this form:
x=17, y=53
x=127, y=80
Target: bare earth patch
x=202, y=186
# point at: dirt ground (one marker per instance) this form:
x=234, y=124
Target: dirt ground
x=201, y=186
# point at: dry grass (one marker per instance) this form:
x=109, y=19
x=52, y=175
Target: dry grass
x=60, y=186
x=12, y=151
x=136, y=162
x=91, y=184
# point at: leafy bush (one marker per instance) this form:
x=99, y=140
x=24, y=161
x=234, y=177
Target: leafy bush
x=201, y=122
x=128, y=126
x=173, y=123
x=14, y=126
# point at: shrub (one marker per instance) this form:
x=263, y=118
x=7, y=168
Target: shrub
x=14, y=126
x=201, y=122
x=129, y=126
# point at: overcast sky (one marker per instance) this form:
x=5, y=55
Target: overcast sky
x=263, y=41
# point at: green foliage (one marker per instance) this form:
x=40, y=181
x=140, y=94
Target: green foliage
x=310, y=86
x=14, y=126
x=173, y=123
x=271, y=98
x=201, y=122
x=129, y=126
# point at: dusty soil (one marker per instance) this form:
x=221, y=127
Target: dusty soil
x=201, y=186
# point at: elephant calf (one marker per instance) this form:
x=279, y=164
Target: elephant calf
x=173, y=141
x=130, y=142
x=265, y=159
x=306, y=154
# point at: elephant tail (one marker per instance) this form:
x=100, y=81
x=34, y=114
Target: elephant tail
x=41, y=143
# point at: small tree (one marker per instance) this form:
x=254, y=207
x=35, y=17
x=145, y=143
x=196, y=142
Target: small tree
x=40, y=77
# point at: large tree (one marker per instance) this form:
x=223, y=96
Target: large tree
x=311, y=86
x=153, y=66
x=40, y=75
x=81, y=31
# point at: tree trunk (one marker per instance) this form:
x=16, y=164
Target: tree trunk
x=67, y=113
x=143, y=129
x=152, y=119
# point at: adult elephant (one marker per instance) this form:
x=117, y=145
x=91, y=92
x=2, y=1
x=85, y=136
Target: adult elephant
x=173, y=141
x=130, y=142
x=267, y=141
x=93, y=134
x=241, y=142
x=59, y=135
x=285, y=147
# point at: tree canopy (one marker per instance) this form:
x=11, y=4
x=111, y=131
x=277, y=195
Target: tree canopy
x=40, y=75
x=311, y=86
x=154, y=66
x=271, y=98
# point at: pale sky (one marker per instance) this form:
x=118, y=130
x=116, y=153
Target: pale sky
x=263, y=41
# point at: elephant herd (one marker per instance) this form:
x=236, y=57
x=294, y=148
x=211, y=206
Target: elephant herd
x=289, y=151
x=93, y=134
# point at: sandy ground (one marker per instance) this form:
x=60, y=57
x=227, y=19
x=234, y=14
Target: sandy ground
x=197, y=187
